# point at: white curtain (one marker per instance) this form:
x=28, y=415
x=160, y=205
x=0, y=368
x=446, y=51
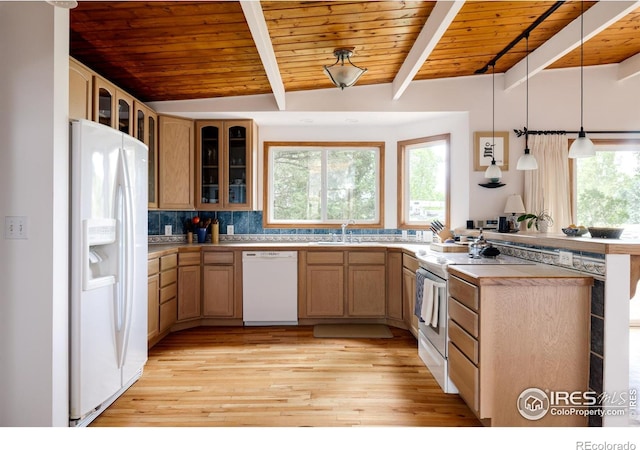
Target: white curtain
x=548, y=187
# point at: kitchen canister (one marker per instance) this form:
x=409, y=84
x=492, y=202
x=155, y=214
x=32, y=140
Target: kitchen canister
x=215, y=233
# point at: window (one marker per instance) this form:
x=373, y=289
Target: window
x=423, y=181
x=608, y=187
x=313, y=185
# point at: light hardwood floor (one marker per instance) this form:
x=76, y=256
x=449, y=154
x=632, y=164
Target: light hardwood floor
x=283, y=376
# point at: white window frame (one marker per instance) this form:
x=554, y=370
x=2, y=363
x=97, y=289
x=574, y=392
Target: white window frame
x=270, y=149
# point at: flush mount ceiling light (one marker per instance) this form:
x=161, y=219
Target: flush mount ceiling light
x=527, y=161
x=340, y=74
x=64, y=4
x=582, y=147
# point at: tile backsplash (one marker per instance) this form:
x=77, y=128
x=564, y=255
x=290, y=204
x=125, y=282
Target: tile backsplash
x=244, y=222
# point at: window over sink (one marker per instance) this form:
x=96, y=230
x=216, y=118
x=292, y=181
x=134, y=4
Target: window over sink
x=423, y=181
x=320, y=184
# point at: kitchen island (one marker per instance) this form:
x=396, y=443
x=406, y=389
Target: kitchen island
x=518, y=333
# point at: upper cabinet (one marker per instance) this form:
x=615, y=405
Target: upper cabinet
x=175, y=163
x=225, y=156
x=80, y=91
x=111, y=106
x=145, y=129
x=92, y=97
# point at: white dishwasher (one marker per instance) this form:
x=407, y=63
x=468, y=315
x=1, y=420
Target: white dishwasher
x=270, y=288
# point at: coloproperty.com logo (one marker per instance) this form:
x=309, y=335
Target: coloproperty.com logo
x=534, y=403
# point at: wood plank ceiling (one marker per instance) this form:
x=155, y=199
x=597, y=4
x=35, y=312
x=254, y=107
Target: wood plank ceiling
x=186, y=50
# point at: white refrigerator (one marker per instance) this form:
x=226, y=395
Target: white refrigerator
x=108, y=280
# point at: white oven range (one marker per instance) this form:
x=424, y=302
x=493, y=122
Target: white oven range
x=433, y=335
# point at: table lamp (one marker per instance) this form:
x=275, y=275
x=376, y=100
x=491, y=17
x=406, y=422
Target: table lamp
x=514, y=206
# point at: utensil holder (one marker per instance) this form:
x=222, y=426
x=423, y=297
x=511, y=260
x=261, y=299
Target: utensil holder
x=215, y=233
x=202, y=235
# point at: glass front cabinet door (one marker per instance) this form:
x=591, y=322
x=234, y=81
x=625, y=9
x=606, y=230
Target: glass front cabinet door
x=224, y=158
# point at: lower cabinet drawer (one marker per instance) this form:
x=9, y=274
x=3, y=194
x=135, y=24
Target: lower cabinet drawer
x=463, y=316
x=167, y=293
x=466, y=376
x=168, y=314
x=464, y=341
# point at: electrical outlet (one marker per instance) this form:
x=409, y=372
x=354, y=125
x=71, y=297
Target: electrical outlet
x=229, y=229
x=16, y=227
x=566, y=258
x=168, y=230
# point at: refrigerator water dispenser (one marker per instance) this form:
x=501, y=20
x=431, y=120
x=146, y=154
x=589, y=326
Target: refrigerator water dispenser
x=100, y=248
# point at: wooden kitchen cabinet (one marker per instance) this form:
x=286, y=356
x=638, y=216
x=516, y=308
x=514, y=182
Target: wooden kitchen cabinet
x=146, y=130
x=221, y=288
x=189, y=285
x=80, y=91
x=409, y=267
x=225, y=155
x=342, y=284
x=104, y=102
x=168, y=292
x=176, y=163
x=395, y=307
x=510, y=333
x=153, y=298
x=321, y=284
x=366, y=284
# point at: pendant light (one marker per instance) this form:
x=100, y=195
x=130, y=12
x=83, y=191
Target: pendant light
x=493, y=172
x=582, y=147
x=527, y=161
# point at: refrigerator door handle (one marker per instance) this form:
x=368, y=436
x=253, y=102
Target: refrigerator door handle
x=124, y=297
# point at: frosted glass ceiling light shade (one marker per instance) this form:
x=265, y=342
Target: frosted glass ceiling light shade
x=527, y=161
x=582, y=147
x=493, y=172
x=343, y=75
x=64, y=4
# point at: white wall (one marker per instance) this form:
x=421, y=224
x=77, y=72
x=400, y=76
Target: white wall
x=34, y=44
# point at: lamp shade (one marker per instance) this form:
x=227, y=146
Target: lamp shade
x=527, y=162
x=582, y=147
x=343, y=75
x=493, y=172
x=514, y=204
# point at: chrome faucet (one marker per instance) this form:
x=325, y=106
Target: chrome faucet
x=344, y=229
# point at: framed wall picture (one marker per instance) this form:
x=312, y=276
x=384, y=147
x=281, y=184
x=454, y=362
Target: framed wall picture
x=482, y=149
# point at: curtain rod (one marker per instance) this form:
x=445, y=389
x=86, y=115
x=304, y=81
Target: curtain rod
x=520, y=133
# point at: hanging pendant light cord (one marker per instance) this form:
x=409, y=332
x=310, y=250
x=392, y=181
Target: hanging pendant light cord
x=581, y=66
x=526, y=136
x=493, y=110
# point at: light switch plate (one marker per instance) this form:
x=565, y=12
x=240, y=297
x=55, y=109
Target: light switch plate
x=16, y=227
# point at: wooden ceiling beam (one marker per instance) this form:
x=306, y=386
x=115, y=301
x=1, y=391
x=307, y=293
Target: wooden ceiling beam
x=255, y=19
x=437, y=23
x=596, y=19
